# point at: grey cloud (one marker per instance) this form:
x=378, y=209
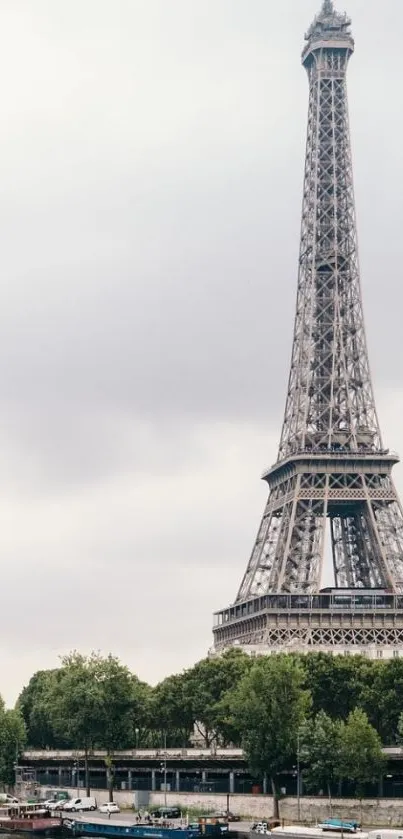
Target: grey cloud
x=151, y=160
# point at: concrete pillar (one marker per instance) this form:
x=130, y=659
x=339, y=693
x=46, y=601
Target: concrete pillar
x=204, y=776
x=60, y=776
x=232, y=782
x=153, y=784
x=178, y=780
x=129, y=779
x=265, y=784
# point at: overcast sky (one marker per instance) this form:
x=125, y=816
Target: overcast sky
x=151, y=158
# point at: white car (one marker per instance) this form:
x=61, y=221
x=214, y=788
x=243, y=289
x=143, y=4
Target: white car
x=54, y=804
x=109, y=808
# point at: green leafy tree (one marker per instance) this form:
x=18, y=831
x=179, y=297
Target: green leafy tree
x=336, y=682
x=361, y=756
x=205, y=686
x=142, y=713
x=321, y=741
x=35, y=710
x=226, y=723
x=381, y=698
x=172, y=711
x=268, y=709
x=115, y=718
x=400, y=727
x=74, y=703
x=12, y=741
x=96, y=701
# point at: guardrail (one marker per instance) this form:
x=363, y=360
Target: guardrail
x=391, y=752
x=139, y=754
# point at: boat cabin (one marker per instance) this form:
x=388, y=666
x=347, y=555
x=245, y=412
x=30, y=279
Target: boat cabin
x=23, y=811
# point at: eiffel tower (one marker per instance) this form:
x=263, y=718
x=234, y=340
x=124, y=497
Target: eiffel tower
x=331, y=490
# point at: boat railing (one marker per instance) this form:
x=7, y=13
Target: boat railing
x=22, y=809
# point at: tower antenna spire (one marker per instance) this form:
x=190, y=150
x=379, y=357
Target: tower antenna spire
x=328, y=7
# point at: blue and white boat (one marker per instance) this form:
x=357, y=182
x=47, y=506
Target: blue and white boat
x=340, y=825
x=125, y=830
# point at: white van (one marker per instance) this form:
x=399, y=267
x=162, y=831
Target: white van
x=80, y=804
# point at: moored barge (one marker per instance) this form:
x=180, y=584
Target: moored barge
x=319, y=832
x=28, y=818
x=119, y=829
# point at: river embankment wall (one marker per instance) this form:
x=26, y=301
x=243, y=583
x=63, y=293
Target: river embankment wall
x=382, y=812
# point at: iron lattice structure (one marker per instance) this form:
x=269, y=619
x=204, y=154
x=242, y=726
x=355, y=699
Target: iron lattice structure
x=332, y=473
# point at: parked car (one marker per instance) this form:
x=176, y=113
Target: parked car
x=80, y=804
x=56, y=795
x=109, y=807
x=54, y=804
x=167, y=813
x=225, y=814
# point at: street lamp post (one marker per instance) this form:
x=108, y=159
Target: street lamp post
x=298, y=779
x=75, y=772
x=165, y=769
x=17, y=783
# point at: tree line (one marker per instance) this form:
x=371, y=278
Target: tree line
x=330, y=713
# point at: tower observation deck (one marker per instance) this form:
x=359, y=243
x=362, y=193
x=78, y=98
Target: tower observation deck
x=331, y=489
